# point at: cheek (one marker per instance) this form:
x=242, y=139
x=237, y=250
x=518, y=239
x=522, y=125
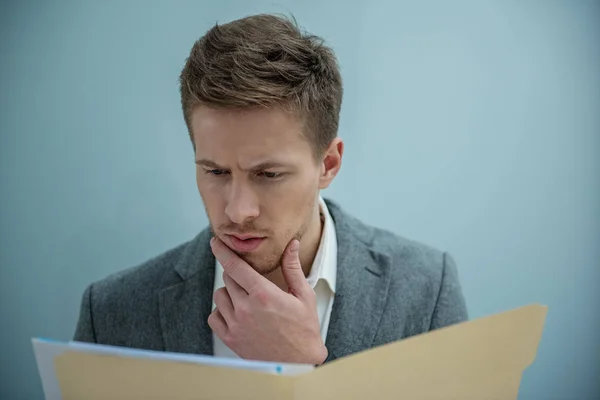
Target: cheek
x=299, y=199
x=200, y=179
x=287, y=199
x=304, y=188
x=211, y=196
x=207, y=186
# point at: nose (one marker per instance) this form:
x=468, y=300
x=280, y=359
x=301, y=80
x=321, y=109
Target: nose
x=242, y=204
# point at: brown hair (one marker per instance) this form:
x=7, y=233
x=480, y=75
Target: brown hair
x=265, y=61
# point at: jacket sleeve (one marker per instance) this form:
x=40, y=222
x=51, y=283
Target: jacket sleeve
x=450, y=307
x=84, y=332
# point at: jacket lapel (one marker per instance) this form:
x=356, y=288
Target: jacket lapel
x=186, y=300
x=363, y=277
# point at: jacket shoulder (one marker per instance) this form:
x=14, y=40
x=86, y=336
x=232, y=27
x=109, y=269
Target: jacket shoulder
x=424, y=283
x=134, y=281
x=407, y=256
x=121, y=309
x=425, y=289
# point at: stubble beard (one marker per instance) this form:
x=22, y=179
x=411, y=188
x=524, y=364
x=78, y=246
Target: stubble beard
x=271, y=262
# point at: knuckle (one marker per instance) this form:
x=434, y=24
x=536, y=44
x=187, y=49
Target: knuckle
x=230, y=264
x=211, y=320
x=243, y=314
x=294, y=265
x=233, y=329
x=230, y=340
x=263, y=298
x=220, y=295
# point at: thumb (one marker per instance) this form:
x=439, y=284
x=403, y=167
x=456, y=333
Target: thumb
x=292, y=270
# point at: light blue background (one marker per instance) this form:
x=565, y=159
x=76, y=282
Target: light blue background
x=473, y=126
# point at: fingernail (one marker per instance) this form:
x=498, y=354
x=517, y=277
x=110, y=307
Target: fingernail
x=294, y=246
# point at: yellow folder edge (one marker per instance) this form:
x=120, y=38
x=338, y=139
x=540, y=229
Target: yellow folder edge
x=479, y=359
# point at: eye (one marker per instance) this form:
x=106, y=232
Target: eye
x=270, y=175
x=216, y=172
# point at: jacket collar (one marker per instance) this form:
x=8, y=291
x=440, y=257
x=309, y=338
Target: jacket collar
x=363, y=278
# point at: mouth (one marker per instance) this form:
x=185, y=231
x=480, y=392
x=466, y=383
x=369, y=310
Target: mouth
x=243, y=243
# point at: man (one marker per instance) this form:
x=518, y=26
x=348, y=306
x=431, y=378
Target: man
x=281, y=274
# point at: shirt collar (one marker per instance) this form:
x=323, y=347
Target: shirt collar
x=325, y=263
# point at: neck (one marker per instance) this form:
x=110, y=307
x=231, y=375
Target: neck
x=309, y=244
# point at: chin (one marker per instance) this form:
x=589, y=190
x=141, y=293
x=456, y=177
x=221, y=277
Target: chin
x=261, y=264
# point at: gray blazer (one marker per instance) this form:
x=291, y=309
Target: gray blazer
x=388, y=288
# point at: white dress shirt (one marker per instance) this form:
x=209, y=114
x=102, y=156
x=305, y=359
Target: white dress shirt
x=321, y=278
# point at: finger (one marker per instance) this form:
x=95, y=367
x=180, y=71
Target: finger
x=235, y=267
x=217, y=323
x=292, y=270
x=224, y=304
x=236, y=292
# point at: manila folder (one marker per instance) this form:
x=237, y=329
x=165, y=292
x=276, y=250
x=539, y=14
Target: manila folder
x=479, y=359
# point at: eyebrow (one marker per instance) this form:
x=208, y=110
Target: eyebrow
x=261, y=166
x=208, y=163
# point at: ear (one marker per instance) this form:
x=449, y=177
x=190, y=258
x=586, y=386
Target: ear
x=332, y=162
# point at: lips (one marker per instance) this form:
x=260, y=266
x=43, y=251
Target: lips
x=243, y=243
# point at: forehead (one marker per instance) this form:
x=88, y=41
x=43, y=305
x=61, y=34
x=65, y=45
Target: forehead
x=247, y=134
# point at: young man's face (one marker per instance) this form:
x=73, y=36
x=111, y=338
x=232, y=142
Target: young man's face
x=258, y=179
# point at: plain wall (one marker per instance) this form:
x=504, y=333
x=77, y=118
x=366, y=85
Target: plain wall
x=471, y=126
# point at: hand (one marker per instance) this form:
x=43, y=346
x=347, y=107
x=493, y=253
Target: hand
x=257, y=320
